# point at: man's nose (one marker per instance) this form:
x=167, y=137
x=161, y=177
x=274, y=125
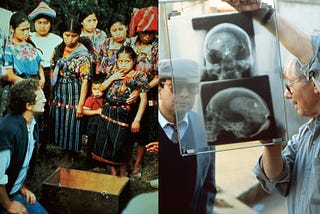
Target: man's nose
x=287, y=94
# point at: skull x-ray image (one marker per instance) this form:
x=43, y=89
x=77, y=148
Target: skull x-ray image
x=228, y=46
x=236, y=110
x=227, y=53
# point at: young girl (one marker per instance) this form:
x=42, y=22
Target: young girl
x=117, y=27
x=71, y=64
x=117, y=119
x=92, y=109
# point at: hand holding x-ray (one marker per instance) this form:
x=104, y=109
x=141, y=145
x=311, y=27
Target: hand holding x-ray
x=245, y=5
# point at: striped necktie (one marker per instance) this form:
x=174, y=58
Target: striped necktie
x=175, y=135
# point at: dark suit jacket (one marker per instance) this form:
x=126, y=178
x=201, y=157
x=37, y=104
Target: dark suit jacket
x=186, y=184
x=14, y=136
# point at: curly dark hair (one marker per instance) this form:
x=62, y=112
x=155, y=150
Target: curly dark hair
x=21, y=93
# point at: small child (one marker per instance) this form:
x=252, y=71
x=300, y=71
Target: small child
x=92, y=109
x=117, y=118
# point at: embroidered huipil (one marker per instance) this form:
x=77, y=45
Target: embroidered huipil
x=97, y=38
x=300, y=177
x=147, y=58
x=24, y=59
x=120, y=90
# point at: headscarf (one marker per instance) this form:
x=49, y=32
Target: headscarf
x=144, y=19
x=42, y=9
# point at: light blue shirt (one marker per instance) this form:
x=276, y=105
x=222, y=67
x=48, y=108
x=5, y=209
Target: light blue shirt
x=5, y=156
x=300, y=177
x=182, y=125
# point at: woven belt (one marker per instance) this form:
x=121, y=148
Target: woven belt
x=114, y=121
x=118, y=106
x=62, y=105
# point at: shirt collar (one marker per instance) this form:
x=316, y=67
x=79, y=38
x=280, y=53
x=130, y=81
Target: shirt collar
x=31, y=126
x=163, y=121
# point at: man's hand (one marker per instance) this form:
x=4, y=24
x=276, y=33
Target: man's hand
x=244, y=5
x=30, y=197
x=153, y=147
x=16, y=207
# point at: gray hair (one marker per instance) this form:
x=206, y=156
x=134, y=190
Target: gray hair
x=295, y=66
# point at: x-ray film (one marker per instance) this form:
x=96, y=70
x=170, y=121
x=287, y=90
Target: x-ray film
x=226, y=77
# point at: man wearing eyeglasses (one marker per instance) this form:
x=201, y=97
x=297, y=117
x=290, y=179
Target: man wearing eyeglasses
x=186, y=184
x=294, y=171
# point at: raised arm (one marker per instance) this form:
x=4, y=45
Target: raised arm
x=289, y=34
x=115, y=76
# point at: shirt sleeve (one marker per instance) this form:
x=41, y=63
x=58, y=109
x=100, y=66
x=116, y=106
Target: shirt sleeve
x=85, y=67
x=277, y=185
x=280, y=184
x=314, y=63
x=88, y=103
x=4, y=164
x=142, y=82
x=8, y=56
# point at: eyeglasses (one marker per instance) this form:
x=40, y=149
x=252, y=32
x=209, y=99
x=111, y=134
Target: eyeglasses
x=288, y=85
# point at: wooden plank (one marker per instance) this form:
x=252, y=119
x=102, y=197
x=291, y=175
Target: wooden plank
x=96, y=182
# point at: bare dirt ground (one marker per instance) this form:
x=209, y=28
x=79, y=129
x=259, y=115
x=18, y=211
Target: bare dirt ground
x=47, y=165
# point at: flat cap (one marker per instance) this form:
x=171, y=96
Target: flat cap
x=182, y=69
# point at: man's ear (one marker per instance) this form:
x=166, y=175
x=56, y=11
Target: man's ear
x=159, y=92
x=315, y=89
x=28, y=106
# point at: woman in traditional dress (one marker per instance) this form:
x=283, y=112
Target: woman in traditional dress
x=70, y=85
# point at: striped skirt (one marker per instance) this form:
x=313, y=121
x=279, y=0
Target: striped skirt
x=111, y=141
x=64, y=124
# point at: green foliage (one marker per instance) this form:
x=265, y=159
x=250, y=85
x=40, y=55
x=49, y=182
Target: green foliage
x=103, y=8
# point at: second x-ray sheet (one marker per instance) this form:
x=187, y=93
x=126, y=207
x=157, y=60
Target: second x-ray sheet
x=237, y=110
x=239, y=95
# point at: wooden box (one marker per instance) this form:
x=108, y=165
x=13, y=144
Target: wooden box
x=76, y=191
